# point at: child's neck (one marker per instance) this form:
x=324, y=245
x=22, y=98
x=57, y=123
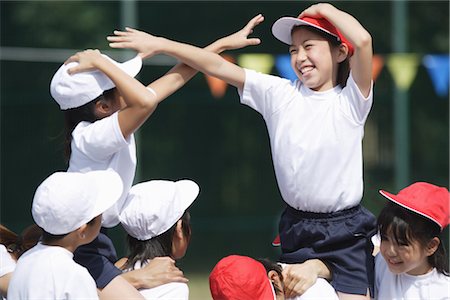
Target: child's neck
x=425, y=268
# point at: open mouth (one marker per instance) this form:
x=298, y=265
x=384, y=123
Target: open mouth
x=305, y=70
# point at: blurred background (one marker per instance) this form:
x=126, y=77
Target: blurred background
x=202, y=132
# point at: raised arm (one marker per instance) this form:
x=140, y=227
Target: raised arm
x=202, y=59
x=361, y=61
x=140, y=102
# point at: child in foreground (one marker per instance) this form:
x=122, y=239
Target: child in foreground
x=68, y=207
x=412, y=263
x=316, y=127
x=237, y=277
x=157, y=221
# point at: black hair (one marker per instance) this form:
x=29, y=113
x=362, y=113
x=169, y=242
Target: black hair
x=157, y=246
x=48, y=238
x=407, y=226
x=76, y=115
x=17, y=244
x=272, y=266
x=344, y=66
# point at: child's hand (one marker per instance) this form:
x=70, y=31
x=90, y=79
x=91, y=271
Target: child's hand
x=316, y=10
x=144, y=43
x=240, y=39
x=86, y=61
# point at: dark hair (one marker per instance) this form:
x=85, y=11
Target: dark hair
x=157, y=246
x=272, y=266
x=18, y=244
x=49, y=237
x=407, y=226
x=344, y=66
x=76, y=115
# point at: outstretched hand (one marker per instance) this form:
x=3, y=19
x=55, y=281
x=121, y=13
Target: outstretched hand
x=143, y=43
x=240, y=38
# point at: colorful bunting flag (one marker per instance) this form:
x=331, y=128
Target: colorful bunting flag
x=283, y=65
x=403, y=68
x=438, y=68
x=259, y=62
x=217, y=86
x=377, y=65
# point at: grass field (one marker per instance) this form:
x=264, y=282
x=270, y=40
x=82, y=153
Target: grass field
x=198, y=286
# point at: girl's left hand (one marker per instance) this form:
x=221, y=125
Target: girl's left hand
x=86, y=61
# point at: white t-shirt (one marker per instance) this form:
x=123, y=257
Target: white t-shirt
x=430, y=286
x=315, y=137
x=101, y=146
x=49, y=272
x=7, y=263
x=168, y=291
x=321, y=290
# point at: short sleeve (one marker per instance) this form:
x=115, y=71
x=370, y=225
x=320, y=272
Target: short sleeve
x=267, y=93
x=353, y=103
x=99, y=140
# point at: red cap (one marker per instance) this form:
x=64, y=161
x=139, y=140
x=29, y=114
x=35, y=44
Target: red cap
x=238, y=277
x=425, y=199
x=276, y=242
x=282, y=29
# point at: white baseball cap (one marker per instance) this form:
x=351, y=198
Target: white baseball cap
x=153, y=207
x=75, y=90
x=66, y=200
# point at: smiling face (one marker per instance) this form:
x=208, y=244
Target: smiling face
x=406, y=256
x=314, y=59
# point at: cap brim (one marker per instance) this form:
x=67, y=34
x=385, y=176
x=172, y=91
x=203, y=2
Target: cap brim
x=397, y=200
x=187, y=191
x=282, y=28
x=109, y=187
x=131, y=67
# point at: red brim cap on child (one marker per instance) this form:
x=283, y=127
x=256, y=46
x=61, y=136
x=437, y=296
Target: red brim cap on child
x=282, y=29
x=237, y=277
x=425, y=199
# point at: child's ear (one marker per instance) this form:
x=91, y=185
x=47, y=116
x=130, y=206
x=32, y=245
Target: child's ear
x=343, y=52
x=432, y=246
x=103, y=108
x=81, y=231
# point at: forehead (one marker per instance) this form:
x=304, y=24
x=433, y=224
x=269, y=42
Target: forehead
x=301, y=34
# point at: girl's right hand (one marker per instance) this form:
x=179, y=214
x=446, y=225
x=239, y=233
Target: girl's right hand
x=143, y=43
x=86, y=61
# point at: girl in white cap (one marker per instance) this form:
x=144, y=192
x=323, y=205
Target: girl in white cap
x=68, y=206
x=157, y=220
x=316, y=126
x=103, y=106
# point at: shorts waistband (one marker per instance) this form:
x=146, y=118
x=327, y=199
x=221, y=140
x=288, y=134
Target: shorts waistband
x=331, y=215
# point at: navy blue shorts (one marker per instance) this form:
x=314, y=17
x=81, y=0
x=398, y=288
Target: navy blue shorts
x=340, y=239
x=99, y=257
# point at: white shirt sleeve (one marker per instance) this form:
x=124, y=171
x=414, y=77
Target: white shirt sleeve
x=101, y=139
x=266, y=93
x=353, y=103
x=320, y=290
